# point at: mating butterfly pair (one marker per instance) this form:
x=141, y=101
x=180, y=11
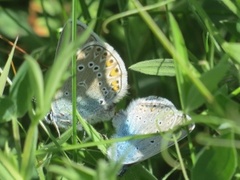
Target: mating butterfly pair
x=102, y=82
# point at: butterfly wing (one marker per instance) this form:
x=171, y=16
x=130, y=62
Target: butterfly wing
x=145, y=116
x=101, y=81
x=65, y=37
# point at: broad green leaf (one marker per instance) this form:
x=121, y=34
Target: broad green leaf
x=215, y=163
x=159, y=67
x=210, y=79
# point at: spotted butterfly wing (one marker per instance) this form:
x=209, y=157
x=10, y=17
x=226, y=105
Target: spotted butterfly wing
x=145, y=116
x=101, y=82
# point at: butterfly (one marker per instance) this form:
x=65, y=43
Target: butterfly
x=145, y=116
x=101, y=83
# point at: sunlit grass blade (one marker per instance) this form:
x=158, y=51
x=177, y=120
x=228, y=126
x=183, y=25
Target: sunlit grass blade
x=74, y=77
x=7, y=168
x=180, y=158
x=132, y=12
x=232, y=7
x=73, y=171
x=4, y=73
x=180, y=48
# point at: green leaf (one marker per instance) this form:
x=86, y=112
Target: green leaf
x=8, y=169
x=36, y=83
x=27, y=83
x=93, y=134
x=106, y=170
x=159, y=67
x=20, y=91
x=7, y=109
x=210, y=79
x=72, y=170
x=233, y=50
x=142, y=173
x=215, y=163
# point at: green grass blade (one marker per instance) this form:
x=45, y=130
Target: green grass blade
x=74, y=77
x=92, y=133
x=180, y=47
x=5, y=71
x=7, y=168
x=28, y=156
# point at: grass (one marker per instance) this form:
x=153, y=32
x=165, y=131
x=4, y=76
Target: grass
x=197, y=47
